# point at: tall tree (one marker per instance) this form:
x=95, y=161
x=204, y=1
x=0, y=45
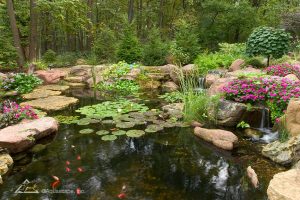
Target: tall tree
x=33, y=40
x=15, y=33
x=130, y=10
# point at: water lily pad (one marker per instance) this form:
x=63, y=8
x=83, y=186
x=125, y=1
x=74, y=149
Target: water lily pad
x=86, y=131
x=119, y=132
x=153, y=128
x=135, y=133
x=108, y=121
x=158, y=121
x=169, y=124
x=102, y=132
x=95, y=121
x=136, y=115
x=125, y=125
x=83, y=123
x=109, y=137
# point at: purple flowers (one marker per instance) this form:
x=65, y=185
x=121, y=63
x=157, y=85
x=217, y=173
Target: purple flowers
x=283, y=70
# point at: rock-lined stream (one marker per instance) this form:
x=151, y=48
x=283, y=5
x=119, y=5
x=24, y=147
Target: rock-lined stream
x=172, y=164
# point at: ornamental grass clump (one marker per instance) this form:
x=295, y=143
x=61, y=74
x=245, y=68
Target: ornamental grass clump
x=283, y=70
x=12, y=113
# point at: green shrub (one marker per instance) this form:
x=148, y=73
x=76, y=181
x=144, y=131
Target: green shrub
x=155, y=51
x=120, y=86
x=256, y=62
x=235, y=49
x=129, y=49
x=66, y=59
x=211, y=61
x=104, y=46
x=22, y=83
x=172, y=97
x=185, y=47
x=268, y=42
x=49, y=56
x=243, y=125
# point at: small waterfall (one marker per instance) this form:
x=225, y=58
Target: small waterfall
x=201, y=82
x=268, y=135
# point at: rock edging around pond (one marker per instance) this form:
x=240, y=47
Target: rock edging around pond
x=220, y=138
x=22, y=136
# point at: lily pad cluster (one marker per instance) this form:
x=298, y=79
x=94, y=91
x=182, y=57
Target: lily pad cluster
x=67, y=119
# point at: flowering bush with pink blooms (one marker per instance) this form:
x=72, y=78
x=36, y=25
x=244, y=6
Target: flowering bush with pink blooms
x=273, y=90
x=283, y=70
x=12, y=113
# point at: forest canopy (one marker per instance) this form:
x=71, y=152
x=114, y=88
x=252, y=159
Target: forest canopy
x=150, y=30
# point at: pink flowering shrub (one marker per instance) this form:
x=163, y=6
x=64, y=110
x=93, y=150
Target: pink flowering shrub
x=12, y=113
x=275, y=91
x=283, y=70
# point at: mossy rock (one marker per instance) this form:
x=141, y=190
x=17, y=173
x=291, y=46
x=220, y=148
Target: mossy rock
x=38, y=148
x=86, y=131
x=135, y=133
x=108, y=137
x=102, y=132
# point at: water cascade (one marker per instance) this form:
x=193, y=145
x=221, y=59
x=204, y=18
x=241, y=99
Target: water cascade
x=268, y=134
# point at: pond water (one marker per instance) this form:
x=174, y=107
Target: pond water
x=172, y=164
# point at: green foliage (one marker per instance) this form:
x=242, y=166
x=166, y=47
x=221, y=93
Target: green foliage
x=235, y=49
x=283, y=132
x=267, y=41
x=172, y=97
x=49, y=56
x=243, y=125
x=129, y=49
x=66, y=59
x=66, y=119
x=249, y=75
x=118, y=70
x=155, y=51
x=104, y=45
x=256, y=62
x=206, y=62
x=185, y=47
x=22, y=83
x=275, y=110
x=111, y=109
x=119, y=86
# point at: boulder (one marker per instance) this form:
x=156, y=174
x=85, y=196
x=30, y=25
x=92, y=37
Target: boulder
x=133, y=74
x=196, y=124
x=229, y=113
x=6, y=162
x=74, y=79
x=169, y=86
x=218, y=85
x=22, y=136
x=50, y=76
x=173, y=106
x=284, y=153
x=189, y=69
x=38, y=93
x=220, y=138
x=236, y=65
x=173, y=71
x=285, y=186
x=150, y=84
x=61, y=88
x=293, y=117
x=84, y=71
x=210, y=79
x=252, y=176
x=292, y=77
x=75, y=85
x=52, y=103
x=91, y=82
x=253, y=133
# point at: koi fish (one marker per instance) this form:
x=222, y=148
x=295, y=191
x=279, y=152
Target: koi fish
x=78, y=191
x=55, y=183
x=68, y=169
x=79, y=169
x=67, y=162
x=78, y=157
x=122, y=195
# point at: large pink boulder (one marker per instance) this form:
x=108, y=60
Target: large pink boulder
x=236, y=65
x=292, y=123
x=50, y=76
x=220, y=138
x=218, y=85
x=22, y=136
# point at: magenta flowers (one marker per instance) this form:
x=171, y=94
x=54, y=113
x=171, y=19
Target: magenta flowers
x=283, y=70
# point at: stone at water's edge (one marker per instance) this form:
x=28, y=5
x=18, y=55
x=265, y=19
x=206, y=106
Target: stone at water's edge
x=283, y=153
x=5, y=162
x=38, y=93
x=252, y=176
x=52, y=103
x=20, y=137
x=293, y=117
x=229, y=113
x=50, y=76
x=285, y=186
x=220, y=138
x=218, y=85
x=236, y=65
x=61, y=88
x=169, y=86
x=210, y=79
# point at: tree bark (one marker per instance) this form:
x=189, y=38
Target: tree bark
x=15, y=32
x=89, y=33
x=33, y=32
x=130, y=10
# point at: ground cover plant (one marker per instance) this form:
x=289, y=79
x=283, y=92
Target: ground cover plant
x=283, y=70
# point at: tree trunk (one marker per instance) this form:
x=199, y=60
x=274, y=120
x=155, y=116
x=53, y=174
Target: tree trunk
x=130, y=10
x=89, y=32
x=33, y=32
x=15, y=32
x=161, y=14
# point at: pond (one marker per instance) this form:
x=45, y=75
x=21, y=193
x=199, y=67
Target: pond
x=172, y=164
